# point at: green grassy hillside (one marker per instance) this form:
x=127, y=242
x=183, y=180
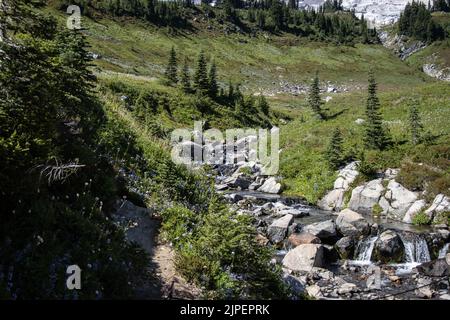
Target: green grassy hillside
x=257, y=62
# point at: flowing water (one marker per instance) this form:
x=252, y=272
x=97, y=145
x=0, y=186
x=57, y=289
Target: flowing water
x=443, y=251
x=364, y=250
x=416, y=249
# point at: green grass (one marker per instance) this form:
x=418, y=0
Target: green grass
x=259, y=62
x=303, y=164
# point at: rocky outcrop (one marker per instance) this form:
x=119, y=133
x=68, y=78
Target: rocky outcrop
x=345, y=247
x=239, y=181
x=271, y=185
x=304, y=257
x=365, y=197
x=389, y=247
x=401, y=45
x=335, y=198
x=441, y=204
x=297, y=239
x=440, y=73
x=325, y=230
x=278, y=230
x=351, y=223
x=435, y=268
x=415, y=208
x=297, y=285
x=397, y=200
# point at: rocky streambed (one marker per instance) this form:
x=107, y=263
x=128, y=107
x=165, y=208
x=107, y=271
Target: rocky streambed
x=341, y=253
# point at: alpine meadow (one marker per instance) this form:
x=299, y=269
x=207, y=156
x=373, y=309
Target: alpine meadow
x=225, y=150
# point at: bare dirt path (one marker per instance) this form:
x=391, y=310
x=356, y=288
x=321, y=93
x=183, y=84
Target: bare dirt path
x=163, y=281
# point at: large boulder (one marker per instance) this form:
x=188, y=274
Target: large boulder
x=297, y=285
x=305, y=257
x=397, y=200
x=277, y=231
x=389, y=247
x=335, y=198
x=351, y=223
x=441, y=204
x=415, y=208
x=365, y=197
x=297, y=239
x=435, y=268
x=345, y=248
x=271, y=185
x=238, y=181
x=324, y=230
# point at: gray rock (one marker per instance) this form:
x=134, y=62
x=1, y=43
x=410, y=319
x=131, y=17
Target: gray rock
x=424, y=288
x=314, y=291
x=440, y=204
x=347, y=288
x=365, y=197
x=397, y=200
x=235, y=197
x=297, y=285
x=415, y=208
x=345, y=247
x=221, y=187
x=304, y=257
x=435, y=268
x=334, y=199
x=389, y=247
x=277, y=231
x=351, y=223
x=294, y=212
x=323, y=230
x=238, y=181
x=271, y=186
x=303, y=238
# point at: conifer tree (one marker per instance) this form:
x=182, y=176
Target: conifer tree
x=263, y=105
x=171, y=69
x=212, y=79
x=376, y=136
x=334, y=151
x=185, y=78
x=201, y=83
x=314, y=100
x=415, y=123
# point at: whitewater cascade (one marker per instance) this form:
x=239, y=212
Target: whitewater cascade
x=416, y=249
x=365, y=249
x=443, y=251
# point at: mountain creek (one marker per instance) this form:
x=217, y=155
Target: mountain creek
x=343, y=254
x=336, y=249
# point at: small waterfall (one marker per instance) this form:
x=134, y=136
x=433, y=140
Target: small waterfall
x=443, y=251
x=416, y=249
x=365, y=248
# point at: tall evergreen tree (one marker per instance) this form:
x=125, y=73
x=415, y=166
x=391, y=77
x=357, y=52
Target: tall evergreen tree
x=185, y=78
x=212, y=79
x=171, y=69
x=334, y=151
x=314, y=100
x=415, y=124
x=201, y=81
x=376, y=136
x=263, y=105
x=230, y=91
